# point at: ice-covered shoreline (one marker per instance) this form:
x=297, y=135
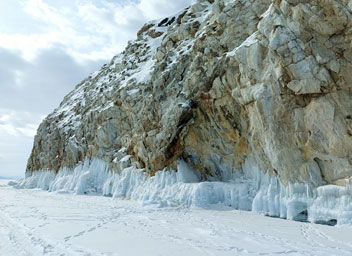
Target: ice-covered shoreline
x=249, y=189
x=34, y=222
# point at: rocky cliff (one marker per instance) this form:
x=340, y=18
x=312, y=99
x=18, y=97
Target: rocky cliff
x=219, y=83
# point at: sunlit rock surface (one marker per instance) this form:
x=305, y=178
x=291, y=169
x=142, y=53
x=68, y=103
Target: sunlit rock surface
x=217, y=85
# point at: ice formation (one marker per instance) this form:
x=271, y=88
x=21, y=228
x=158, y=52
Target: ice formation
x=248, y=189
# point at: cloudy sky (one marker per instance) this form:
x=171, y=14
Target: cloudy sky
x=46, y=48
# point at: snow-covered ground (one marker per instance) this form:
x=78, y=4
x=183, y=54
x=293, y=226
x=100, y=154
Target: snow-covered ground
x=35, y=222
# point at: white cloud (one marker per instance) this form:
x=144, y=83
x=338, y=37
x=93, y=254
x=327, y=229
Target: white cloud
x=85, y=29
x=155, y=9
x=19, y=123
x=44, y=12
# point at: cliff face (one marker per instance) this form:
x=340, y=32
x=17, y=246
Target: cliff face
x=218, y=83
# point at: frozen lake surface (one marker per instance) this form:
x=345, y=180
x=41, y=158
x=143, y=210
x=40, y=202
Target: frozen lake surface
x=35, y=222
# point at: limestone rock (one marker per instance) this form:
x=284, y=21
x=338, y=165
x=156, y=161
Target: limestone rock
x=220, y=82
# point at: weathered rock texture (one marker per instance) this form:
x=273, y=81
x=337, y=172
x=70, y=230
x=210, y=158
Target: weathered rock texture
x=221, y=81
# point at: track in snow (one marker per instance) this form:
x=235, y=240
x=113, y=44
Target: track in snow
x=34, y=222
